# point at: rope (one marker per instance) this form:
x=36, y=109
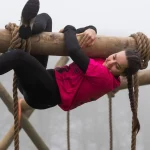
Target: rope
x=143, y=47
x=16, y=43
x=110, y=122
x=110, y=96
x=136, y=91
x=68, y=130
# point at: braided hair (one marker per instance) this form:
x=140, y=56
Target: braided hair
x=134, y=64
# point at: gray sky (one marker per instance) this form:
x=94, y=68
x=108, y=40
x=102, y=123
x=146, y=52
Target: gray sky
x=110, y=17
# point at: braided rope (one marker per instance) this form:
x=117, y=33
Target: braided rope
x=143, y=47
x=68, y=130
x=16, y=43
x=110, y=95
x=136, y=91
x=110, y=122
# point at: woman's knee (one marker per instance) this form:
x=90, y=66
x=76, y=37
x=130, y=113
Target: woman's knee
x=49, y=21
x=43, y=22
x=18, y=54
x=46, y=16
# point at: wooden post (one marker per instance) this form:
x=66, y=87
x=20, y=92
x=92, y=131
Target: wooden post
x=29, y=129
x=49, y=43
x=8, y=138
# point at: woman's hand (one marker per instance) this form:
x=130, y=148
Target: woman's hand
x=88, y=38
x=61, y=31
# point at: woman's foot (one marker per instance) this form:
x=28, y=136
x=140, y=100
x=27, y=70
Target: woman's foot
x=22, y=107
x=28, y=15
x=30, y=11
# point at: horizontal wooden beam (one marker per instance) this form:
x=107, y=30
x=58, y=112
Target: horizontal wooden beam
x=50, y=43
x=144, y=79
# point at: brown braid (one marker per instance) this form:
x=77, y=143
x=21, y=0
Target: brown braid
x=136, y=125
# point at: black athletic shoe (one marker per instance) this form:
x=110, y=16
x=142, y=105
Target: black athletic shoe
x=29, y=12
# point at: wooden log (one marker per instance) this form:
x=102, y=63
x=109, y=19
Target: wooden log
x=50, y=43
x=61, y=61
x=8, y=138
x=144, y=79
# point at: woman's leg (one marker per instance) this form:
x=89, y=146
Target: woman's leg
x=42, y=23
x=39, y=86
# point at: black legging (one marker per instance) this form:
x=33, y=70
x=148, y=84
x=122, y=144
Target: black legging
x=42, y=23
x=37, y=84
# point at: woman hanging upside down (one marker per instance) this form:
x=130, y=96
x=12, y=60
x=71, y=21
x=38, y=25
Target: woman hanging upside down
x=34, y=81
x=84, y=80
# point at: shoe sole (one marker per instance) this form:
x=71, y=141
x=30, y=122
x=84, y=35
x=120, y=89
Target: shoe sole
x=30, y=11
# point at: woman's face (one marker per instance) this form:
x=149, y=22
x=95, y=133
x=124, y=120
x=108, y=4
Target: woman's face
x=116, y=63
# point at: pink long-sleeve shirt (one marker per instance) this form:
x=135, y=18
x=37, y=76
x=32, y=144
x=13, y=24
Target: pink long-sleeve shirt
x=77, y=88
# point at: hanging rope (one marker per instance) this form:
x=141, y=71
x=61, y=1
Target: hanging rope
x=68, y=130
x=16, y=43
x=110, y=122
x=110, y=96
x=143, y=47
x=28, y=15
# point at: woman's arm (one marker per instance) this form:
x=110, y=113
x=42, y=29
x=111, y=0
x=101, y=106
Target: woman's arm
x=88, y=35
x=74, y=49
